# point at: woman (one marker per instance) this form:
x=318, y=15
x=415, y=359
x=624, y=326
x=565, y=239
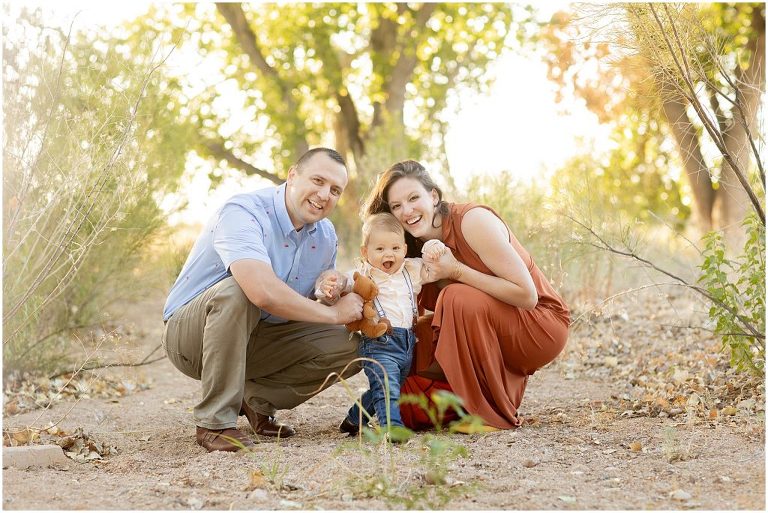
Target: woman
x=496, y=317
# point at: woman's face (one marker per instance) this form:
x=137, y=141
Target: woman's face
x=413, y=206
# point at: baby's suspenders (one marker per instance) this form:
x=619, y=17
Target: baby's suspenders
x=407, y=276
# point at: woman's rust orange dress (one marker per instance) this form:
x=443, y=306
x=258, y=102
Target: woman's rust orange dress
x=485, y=347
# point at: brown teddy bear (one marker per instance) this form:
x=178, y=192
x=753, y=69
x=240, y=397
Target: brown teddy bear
x=370, y=325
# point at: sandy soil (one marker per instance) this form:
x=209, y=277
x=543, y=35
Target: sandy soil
x=579, y=449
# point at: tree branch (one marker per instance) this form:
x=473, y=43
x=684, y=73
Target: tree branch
x=216, y=149
x=382, y=42
x=246, y=37
x=682, y=65
x=351, y=123
x=144, y=361
x=746, y=324
x=233, y=13
x=406, y=62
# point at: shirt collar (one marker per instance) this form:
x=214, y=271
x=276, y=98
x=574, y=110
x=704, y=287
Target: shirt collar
x=283, y=219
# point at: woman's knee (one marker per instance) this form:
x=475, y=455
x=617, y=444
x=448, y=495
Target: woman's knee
x=464, y=299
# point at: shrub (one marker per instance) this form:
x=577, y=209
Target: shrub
x=81, y=154
x=737, y=288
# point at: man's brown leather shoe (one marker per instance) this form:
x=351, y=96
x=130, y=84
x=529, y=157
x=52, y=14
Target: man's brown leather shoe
x=230, y=439
x=264, y=424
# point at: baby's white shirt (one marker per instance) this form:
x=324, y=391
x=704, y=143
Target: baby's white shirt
x=394, y=295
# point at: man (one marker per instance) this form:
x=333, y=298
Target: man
x=240, y=317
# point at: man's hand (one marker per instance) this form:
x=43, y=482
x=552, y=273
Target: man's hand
x=329, y=286
x=349, y=308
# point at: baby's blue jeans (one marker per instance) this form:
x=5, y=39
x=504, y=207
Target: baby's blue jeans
x=394, y=352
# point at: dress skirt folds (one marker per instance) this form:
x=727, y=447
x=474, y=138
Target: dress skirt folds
x=486, y=348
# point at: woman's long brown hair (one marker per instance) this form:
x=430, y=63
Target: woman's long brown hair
x=377, y=199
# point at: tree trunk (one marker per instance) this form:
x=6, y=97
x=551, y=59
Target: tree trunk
x=734, y=202
x=690, y=153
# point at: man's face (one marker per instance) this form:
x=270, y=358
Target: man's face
x=313, y=190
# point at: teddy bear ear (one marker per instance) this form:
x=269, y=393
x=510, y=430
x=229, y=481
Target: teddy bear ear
x=356, y=275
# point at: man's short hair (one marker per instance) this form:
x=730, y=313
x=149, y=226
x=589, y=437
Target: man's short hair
x=332, y=154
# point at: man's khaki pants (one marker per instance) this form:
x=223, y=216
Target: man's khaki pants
x=218, y=338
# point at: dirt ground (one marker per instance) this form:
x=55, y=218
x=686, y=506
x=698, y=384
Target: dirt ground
x=617, y=422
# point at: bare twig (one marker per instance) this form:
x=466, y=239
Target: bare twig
x=21, y=196
x=619, y=294
x=682, y=65
x=703, y=328
x=75, y=226
x=144, y=361
x=605, y=245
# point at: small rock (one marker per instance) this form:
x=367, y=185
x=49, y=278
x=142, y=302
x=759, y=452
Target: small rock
x=34, y=456
x=729, y=410
x=680, y=495
x=258, y=494
x=611, y=361
x=347, y=497
x=195, y=503
x=290, y=504
x=530, y=463
x=567, y=499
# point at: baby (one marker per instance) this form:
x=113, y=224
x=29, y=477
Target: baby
x=399, y=280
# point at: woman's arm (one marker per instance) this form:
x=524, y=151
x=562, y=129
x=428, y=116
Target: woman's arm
x=487, y=235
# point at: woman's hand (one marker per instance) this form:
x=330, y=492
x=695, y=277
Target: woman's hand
x=444, y=266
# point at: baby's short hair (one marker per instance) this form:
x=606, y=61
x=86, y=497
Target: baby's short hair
x=381, y=221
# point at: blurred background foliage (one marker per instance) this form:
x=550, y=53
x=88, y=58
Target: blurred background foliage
x=101, y=131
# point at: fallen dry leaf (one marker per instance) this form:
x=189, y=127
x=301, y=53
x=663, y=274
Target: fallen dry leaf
x=636, y=446
x=256, y=480
x=81, y=447
x=15, y=437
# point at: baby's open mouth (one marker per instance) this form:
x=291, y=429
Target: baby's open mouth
x=387, y=265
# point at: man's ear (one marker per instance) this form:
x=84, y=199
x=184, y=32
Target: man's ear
x=292, y=174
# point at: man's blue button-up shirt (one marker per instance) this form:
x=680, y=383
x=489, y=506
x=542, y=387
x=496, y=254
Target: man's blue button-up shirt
x=255, y=225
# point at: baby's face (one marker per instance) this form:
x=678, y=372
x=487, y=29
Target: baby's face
x=385, y=250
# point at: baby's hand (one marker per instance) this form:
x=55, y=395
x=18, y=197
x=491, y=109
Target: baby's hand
x=329, y=286
x=432, y=250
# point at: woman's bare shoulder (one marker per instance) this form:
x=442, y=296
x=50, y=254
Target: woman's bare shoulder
x=480, y=223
